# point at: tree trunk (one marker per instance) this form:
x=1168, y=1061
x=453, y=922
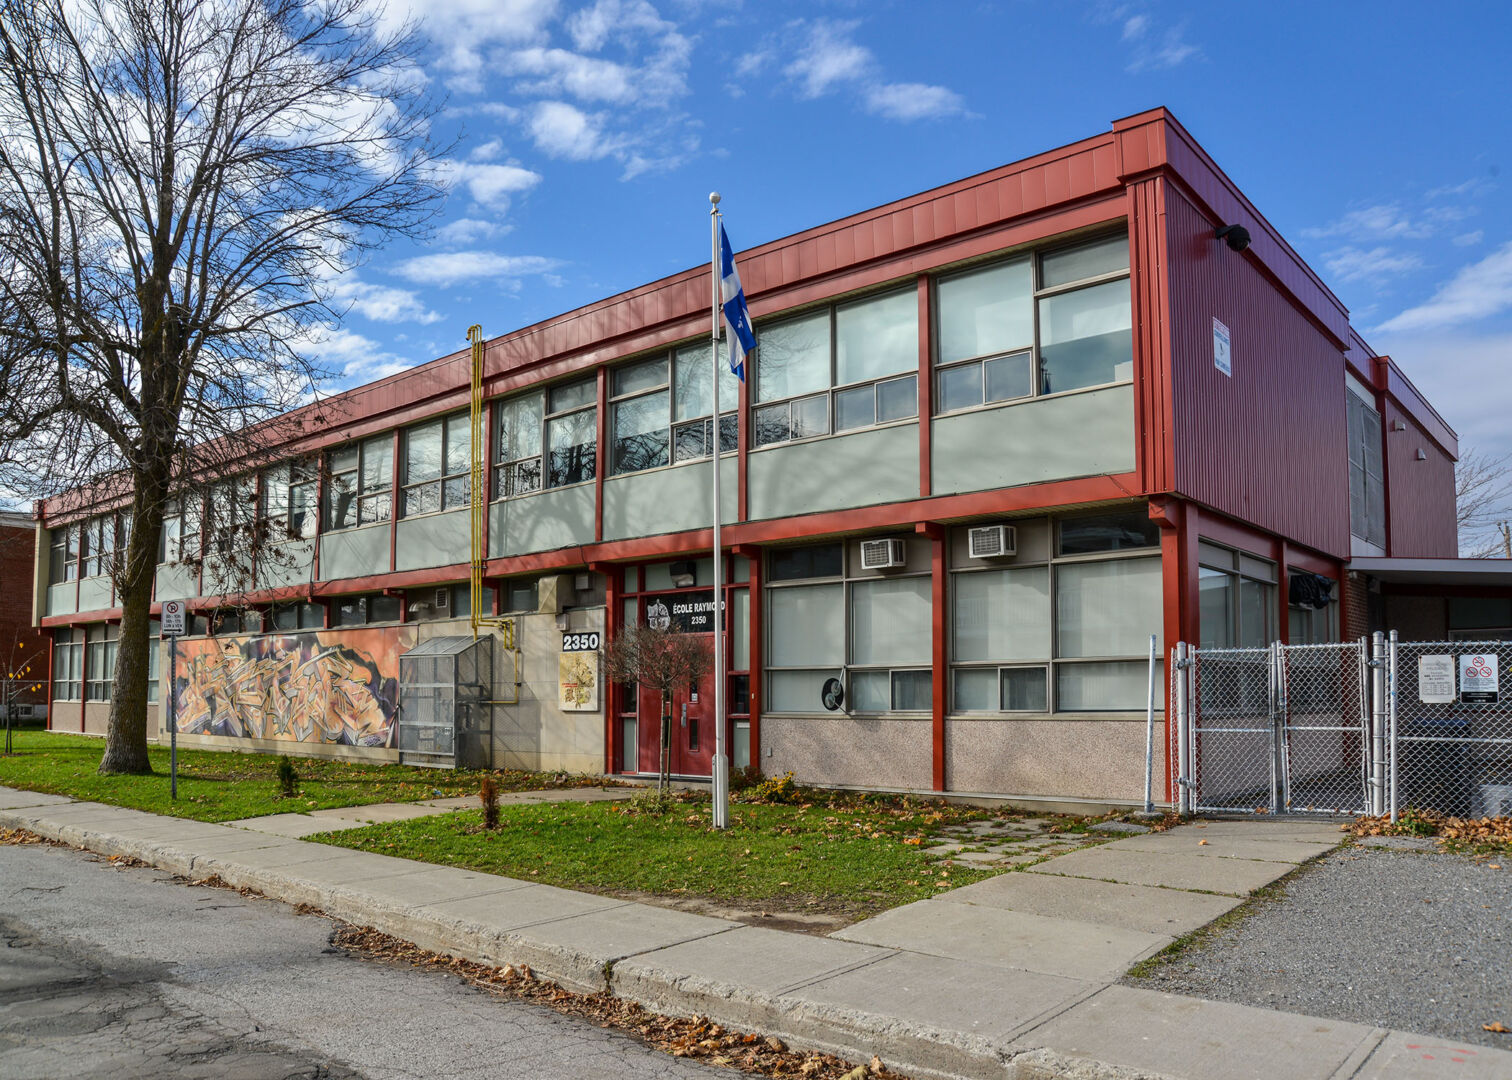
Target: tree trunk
x=126, y=739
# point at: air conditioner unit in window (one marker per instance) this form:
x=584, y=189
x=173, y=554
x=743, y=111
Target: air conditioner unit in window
x=442, y=599
x=881, y=554
x=992, y=542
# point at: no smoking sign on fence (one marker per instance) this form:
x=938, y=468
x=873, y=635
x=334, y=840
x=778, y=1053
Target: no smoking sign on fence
x=1478, y=679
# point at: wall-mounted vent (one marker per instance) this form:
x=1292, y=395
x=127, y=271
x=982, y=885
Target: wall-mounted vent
x=992, y=542
x=882, y=554
x=554, y=593
x=442, y=599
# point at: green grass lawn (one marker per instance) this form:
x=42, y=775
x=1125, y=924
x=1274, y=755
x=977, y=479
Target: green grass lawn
x=851, y=859
x=218, y=786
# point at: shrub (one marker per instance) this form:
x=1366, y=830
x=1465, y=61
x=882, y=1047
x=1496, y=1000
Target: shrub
x=288, y=779
x=488, y=794
x=775, y=789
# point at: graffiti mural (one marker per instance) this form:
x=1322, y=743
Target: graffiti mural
x=307, y=687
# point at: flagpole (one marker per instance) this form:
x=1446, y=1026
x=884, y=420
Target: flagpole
x=721, y=775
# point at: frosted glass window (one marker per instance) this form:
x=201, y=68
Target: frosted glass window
x=1023, y=690
x=870, y=691
x=986, y=311
x=798, y=691
x=1086, y=260
x=807, y=625
x=897, y=399
x=573, y=395
x=912, y=691
x=960, y=387
x=793, y=357
x=643, y=376
x=976, y=690
x=1009, y=377
x=1122, y=686
x=1107, y=608
x=1086, y=338
x=877, y=336
x=855, y=408
x=740, y=632
x=890, y=621
x=1002, y=614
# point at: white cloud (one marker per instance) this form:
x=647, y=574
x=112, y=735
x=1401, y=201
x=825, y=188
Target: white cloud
x=356, y=359
x=1383, y=222
x=1470, y=239
x=829, y=57
x=1474, y=186
x=444, y=270
x=557, y=71
x=591, y=27
x=486, y=151
x=489, y=184
x=464, y=29
x=1135, y=26
x=1148, y=53
x=381, y=303
x=565, y=131
x=913, y=101
x=1353, y=264
x=465, y=231
x=1453, y=371
x=1477, y=291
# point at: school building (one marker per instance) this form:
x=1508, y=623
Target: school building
x=994, y=436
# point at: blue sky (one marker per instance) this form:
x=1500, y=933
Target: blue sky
x=1374, y=136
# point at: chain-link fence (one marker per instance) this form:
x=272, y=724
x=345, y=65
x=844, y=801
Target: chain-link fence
x=1232, y=743
x=1324, y=710
x=1451, y=728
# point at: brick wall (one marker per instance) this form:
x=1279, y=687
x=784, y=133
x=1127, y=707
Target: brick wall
x=21, y=645
x=1355, y=610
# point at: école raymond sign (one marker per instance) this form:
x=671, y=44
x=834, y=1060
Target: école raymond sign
x=1478, y=678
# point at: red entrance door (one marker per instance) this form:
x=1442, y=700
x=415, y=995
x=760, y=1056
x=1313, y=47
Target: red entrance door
x=692, y=752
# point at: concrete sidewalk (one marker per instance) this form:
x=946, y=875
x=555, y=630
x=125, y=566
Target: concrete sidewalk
x=1012, y=977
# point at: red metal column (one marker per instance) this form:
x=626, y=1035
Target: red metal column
x=1283, y=622
x=938, y=660
x=753, y=554
x=600, y=452
x=396, y=469
x=742, y=445
x=612, y=737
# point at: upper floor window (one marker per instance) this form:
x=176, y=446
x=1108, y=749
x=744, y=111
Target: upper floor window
x=1040, y=324
x=840, y=369
x=97, y=544
x=1367, y=482
x=289, y=499
x=564, y=422
x=661, y=410
x=231, y=506
x=179, y=539
x=438, y=465
x=361, y=483
x=63, y=564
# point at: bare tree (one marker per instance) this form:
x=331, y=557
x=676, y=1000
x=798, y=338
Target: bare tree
x=660, y=659
x=1483, y=503
x=182, y=183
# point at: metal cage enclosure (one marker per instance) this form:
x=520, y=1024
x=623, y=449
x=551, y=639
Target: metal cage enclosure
x=445, y=713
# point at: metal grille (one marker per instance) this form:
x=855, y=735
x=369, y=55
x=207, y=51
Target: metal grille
x=1451, y=743
x=1325, y=725
x=1232, y=748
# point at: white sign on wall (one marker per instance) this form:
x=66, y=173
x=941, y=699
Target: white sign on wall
x=1478, y=681
x=172, y=615
x=1436, y=679
x=1222, y=359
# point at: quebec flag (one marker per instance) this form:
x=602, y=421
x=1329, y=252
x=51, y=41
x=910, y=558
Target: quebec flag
x=736, y=314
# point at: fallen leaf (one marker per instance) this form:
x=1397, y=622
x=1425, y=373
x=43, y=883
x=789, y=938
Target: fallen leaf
x=1497, y=1026
x=1201, y=843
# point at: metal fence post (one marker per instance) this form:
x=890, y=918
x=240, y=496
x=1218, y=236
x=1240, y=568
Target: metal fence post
x=1183, y=731
x=1149, y=803
x=1391, y=698
x=1377, y=723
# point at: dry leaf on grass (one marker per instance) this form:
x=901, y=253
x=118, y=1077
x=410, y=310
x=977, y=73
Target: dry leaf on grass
x=1496, y=1026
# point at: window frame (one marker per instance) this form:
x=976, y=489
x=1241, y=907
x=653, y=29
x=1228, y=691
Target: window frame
x=833, y=387
x=71, y=653
x=102, y=643
x=97, y=545
x=1038, y=292
x=277, y=499
x=450, y=478
x=501, y=485
x=381, y=495
x=1052, y=663
x=1211, y=557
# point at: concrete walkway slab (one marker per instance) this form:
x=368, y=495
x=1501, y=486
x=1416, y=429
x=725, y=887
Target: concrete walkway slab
x=1235, y=877
x=947, y=995
x=1170, y=912
x=294, y=826
x=1270, y=828
x=519, y=908
x=1017, y=939
x=427, y=886
x=1401, y=1056
x=13, y=799
x=580, y=948
x=1184, y=1037
x=1194, y=842
x=375, y=813
x=746, y=959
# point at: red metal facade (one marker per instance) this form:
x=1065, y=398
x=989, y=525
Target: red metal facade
x=1420, y=518
x=1266, y=445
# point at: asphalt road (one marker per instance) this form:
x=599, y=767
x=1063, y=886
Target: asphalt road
x=127, y=973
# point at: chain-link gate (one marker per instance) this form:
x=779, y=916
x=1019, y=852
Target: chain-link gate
x=1283, y=729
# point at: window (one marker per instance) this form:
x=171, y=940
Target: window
x=564, y=421
x=1070, y=633
x=518, y=471
x=97, y=546
x=288, y=498
x=437, y=602
x=302, y=616
x=232, y=621
x=103, y=642
x=1367, y=484
x=996, y=326
x=1236, y=598
x=154, y=657
x=171, y=536
x=358, y=610
x=361, y=483
x=846, y=367
x=63, y=563
x=231, y=506
x=520, y=594
x=660, y=417
x=438, y=465
x=871, y=632
x=68, y=664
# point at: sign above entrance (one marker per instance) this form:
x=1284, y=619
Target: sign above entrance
x=682, y=613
